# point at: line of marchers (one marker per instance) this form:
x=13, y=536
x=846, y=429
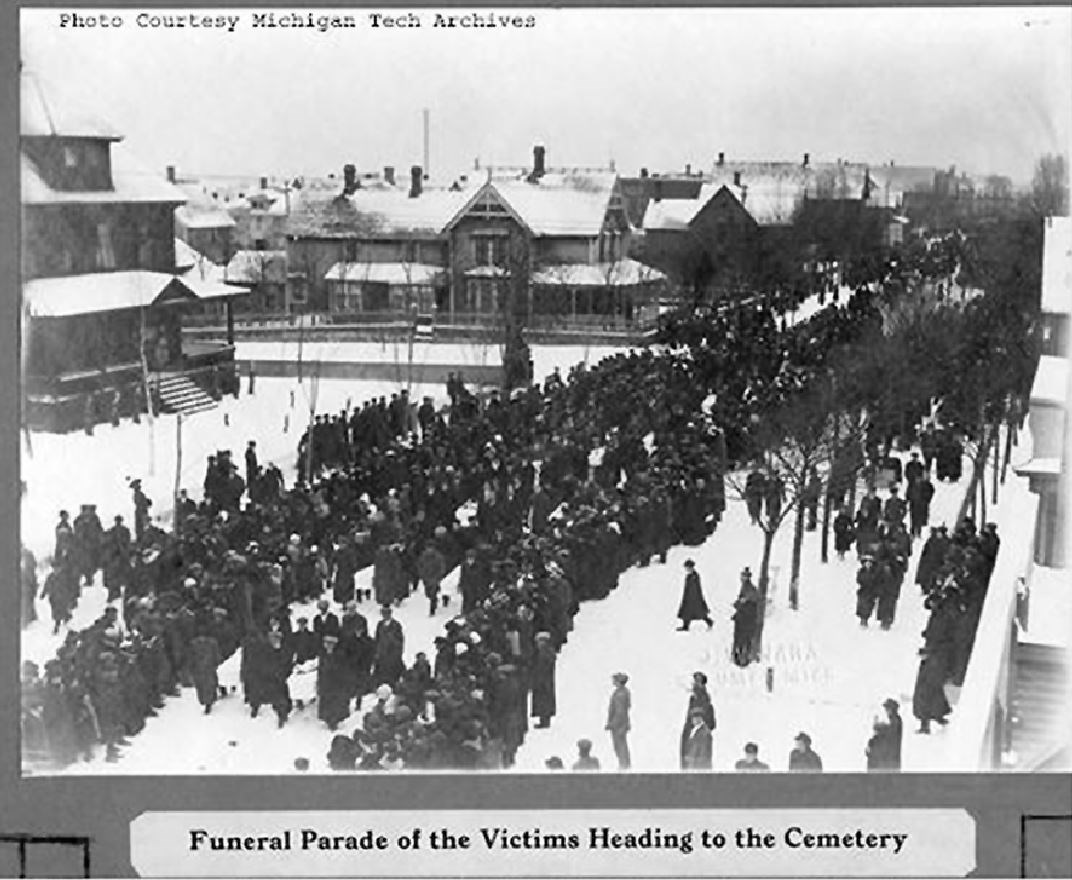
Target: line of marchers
x=795, y=837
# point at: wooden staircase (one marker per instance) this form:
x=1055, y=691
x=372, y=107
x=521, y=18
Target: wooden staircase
x=179, y=395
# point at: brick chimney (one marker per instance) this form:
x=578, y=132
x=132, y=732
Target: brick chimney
x=643, y=172
x=539, y=168
x=349, y=180
x=807, y=159
x=688, y=169
x=170, y=172
x=657, y=190
x=264, y=183
x=721, y=159
x=416, y=181
x=389, y=175
x=736, y=178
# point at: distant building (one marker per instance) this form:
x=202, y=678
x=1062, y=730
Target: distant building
x=102, y=293
x=523, y=247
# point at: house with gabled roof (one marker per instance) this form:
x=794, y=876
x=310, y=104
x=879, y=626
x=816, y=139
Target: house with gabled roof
x=519, y=247
x=103, y=294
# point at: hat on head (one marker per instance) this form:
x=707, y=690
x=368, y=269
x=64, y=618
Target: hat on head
x=890, y=704
x=802, y=737
x=690, y=564
x=619, y=678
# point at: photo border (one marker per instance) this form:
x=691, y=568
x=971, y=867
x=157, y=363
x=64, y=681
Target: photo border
x=101, y=807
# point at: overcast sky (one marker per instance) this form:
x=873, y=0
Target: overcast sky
x=985, y=89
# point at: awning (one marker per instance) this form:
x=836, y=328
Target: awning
x=385, y=273
x=624, y=273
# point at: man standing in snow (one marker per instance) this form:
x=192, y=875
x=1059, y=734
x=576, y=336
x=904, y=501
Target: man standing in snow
x=745, y=619
x=698, y=743
x=618, y=719
x=693, y=605
x=802, y=759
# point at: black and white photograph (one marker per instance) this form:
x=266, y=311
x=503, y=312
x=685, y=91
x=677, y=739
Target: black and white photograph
x=544, y=391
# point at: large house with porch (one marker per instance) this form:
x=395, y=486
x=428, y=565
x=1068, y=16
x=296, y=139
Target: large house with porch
x=103, y=296
x=533, y=248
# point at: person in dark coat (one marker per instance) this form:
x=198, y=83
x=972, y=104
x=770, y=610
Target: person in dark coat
x=884, y=746
x=802, y=759
x=204, y=662
x=928, y=697
x=745, y=619
x=306, y=643
x=931, y=558
x=388, y=577
x=844, y=533
x=543, y=680
x=61, y=590
x=432, y=568
x=471, y=581
x=868, y=586
x=279, y=664
x=29, y=585
x=326, y=623
x=390, y=643
x=693, y=604
x=585, y=759
x=618, y=719
x=750, y=763
x=699, y=748
x=699, y=700
x=332, y=692
x=919, y=495
x=117, y=559
x=345, y=569
x=754, y=490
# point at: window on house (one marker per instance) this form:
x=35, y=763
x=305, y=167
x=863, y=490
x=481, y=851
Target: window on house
x=490, y=250
x=70, y=157
x=105, y=251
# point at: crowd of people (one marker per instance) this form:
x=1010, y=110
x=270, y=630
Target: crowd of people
x=541, y=498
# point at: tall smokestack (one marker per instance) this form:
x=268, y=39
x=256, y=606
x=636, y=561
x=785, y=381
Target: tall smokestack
x=349, y=180
x=170, y=171
x=539, y=159
x=427, y=142
x=416, y=181
x=264, y=183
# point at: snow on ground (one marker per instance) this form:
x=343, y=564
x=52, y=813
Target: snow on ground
x=830, y=676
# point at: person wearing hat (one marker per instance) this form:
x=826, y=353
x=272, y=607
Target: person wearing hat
x=913, y=470
x=64, y=537
x=117, y=554
x=750, y=763
x=325, y=623
x=929, y=702
x=844, y=533
x=693, y=605
x=884, y=746
x=919, y=494
x=618, y=721
x=802, y=759
x=932, y=558
x=746, y=610
x=252, y=468
x=141, y=510
x=585, y=759
x=203, y=665
x=61, y=590
x=543, y=680
x=431, y=569
x=868, y=583
x=698, y=752
x=699, y=698
x=390, y=643
x=332, y=684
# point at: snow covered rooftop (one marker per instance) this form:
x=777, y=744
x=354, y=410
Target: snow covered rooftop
x=667, y=214
x=99, y=292
x=1057, y=266
x=206, y=279
x=201, y=216
x=380, y=211
x=620, y=274
x=1051, y=381
x=385, y=273
x=42, y=115
x=562, y=204
x=251, y=267
x=130, y=183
